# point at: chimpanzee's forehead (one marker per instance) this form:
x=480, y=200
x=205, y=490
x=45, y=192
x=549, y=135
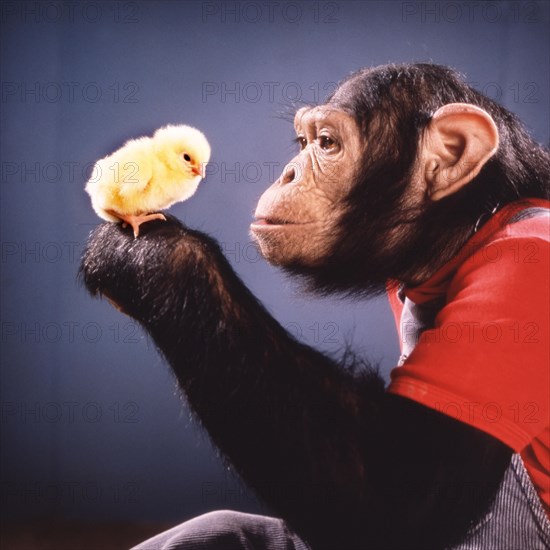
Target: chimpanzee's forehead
x=320, y=113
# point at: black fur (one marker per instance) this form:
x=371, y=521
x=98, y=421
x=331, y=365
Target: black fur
x=325, y=447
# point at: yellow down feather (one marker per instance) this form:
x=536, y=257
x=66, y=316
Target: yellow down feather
x=149, y=173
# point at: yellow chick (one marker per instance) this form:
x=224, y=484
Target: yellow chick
x=148, y=174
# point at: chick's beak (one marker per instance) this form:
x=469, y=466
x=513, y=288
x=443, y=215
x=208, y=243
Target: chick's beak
x=198, y=170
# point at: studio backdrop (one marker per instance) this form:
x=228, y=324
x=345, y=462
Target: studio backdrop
x=92, y=423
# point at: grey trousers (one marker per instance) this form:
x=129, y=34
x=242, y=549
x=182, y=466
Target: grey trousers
x=516, y=521
x=227, y=530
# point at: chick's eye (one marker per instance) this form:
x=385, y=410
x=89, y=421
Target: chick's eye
x=326, y=142
x=186, y=157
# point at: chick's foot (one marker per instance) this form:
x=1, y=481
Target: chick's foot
x=136, y=221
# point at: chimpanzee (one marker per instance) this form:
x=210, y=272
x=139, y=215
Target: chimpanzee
x=407, y=181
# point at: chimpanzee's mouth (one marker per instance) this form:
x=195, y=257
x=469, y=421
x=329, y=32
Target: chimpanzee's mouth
x=271, y=221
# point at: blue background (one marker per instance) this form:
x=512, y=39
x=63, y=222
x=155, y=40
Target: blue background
x=92, y=425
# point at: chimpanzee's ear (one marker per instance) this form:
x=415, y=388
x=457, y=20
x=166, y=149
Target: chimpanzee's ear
x=457, y=143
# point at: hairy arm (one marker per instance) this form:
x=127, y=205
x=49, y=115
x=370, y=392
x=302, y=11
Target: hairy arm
x=345, y=463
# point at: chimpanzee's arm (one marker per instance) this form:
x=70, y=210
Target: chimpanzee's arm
x=331, y=452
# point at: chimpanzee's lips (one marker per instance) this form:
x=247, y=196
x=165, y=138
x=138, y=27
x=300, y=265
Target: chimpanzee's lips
x=267, y=223
x=270, y=221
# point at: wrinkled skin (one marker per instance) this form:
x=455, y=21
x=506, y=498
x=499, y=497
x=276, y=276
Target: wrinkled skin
x=296, y=216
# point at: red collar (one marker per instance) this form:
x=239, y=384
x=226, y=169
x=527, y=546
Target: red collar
x=437, y=284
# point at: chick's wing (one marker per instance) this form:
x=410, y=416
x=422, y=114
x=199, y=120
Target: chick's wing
x=132, y=166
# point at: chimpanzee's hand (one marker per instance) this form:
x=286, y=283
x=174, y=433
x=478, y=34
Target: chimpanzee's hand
x=137, y=273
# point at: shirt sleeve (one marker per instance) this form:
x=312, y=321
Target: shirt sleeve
x=486, y=362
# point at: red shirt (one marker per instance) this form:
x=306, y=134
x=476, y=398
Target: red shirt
x=486, y=361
